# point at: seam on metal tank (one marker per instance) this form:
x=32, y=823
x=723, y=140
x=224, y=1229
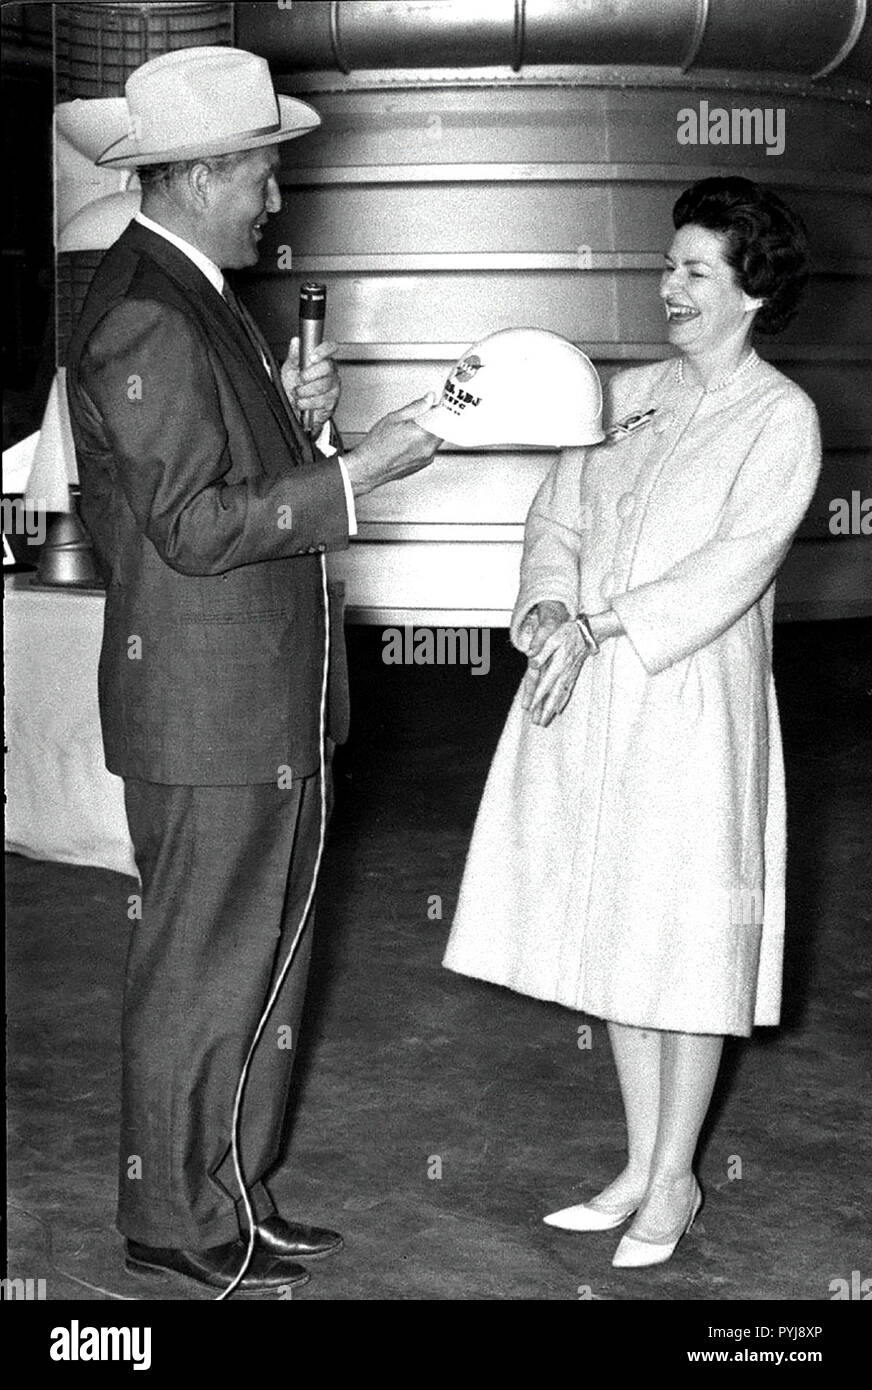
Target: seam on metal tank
x=699, y=28
x=849, y=43
x=335, y=41
x=518, y=35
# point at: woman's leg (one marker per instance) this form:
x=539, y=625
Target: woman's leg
x=637, y=1054
x=688, y=1070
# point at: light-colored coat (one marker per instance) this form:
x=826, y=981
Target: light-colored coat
x=628, y=859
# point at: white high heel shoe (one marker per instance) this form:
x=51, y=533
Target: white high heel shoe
x=585, y=1218
x=633, y=1253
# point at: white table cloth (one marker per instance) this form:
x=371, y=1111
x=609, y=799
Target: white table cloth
x=61, y=803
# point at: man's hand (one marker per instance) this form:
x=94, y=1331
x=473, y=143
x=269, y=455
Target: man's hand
x=393, y=448
x=317, y=386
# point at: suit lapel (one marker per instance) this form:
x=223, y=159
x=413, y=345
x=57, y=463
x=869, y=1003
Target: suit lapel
x=219, y=321
x=300, y=437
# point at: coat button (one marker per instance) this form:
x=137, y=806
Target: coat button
x=626, y=504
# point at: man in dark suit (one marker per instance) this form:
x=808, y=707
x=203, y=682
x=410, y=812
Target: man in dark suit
x=210, y=511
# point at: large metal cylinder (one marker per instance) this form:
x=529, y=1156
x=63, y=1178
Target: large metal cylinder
x=447, y=195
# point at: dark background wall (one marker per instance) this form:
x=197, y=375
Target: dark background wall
x=27, y=254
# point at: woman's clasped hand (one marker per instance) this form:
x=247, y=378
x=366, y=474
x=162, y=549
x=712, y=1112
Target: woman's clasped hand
x=556, y=652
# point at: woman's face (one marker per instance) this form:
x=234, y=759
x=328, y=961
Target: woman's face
x=705, y=307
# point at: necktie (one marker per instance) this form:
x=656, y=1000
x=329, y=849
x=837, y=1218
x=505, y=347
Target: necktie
x=261, y=347
x=250, y=329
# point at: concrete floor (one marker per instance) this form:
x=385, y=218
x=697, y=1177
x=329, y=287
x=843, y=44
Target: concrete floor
x=408, y=1070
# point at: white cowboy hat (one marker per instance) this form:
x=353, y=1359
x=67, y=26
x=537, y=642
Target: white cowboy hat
x=197, y=102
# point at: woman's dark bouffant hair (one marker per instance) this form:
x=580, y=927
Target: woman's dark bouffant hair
x=766, y=246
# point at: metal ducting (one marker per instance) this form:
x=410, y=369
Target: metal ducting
x=98, y=45
x=805, y=37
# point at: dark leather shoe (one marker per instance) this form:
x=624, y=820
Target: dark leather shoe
x=279, y=1237
x=219, y=1266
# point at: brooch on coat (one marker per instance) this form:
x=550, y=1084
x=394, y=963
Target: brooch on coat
x=629, y=425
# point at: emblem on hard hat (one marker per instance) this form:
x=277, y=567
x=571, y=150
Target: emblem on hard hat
x=456, y=400
x=467, y=367
x=499, y=407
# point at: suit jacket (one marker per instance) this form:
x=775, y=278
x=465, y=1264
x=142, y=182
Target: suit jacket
x=207, y=508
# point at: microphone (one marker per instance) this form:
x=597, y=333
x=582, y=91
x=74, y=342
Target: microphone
x=313, y=299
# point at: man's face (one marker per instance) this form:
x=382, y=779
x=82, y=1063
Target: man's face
x=239, y=202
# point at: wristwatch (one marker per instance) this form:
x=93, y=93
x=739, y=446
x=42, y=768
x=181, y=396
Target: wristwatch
x=582, y=622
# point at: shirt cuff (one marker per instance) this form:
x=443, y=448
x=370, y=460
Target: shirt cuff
x=324, y=444
x=349, y=497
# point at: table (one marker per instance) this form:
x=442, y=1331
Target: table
x=61, y=803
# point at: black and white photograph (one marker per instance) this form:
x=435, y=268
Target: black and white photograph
x=437, y=533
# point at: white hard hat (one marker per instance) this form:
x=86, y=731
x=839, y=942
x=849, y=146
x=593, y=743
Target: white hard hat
x=520, y=386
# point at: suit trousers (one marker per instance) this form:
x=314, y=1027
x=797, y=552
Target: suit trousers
x=225, y=874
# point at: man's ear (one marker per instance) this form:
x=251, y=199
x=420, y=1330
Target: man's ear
x=200, y=183
x=749, y=305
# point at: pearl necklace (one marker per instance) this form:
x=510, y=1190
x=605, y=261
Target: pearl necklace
x=750, y=361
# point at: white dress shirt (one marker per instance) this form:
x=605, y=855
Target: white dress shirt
x=215, y=276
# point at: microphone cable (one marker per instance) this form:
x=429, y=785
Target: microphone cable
x=274, y=994
x=313, y=299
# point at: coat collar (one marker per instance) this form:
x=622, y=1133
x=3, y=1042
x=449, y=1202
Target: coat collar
x=221, y=321
x=212, y=272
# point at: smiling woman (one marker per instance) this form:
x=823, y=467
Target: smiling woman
x=628, y=857
x=738, y=261
x=764, y=242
